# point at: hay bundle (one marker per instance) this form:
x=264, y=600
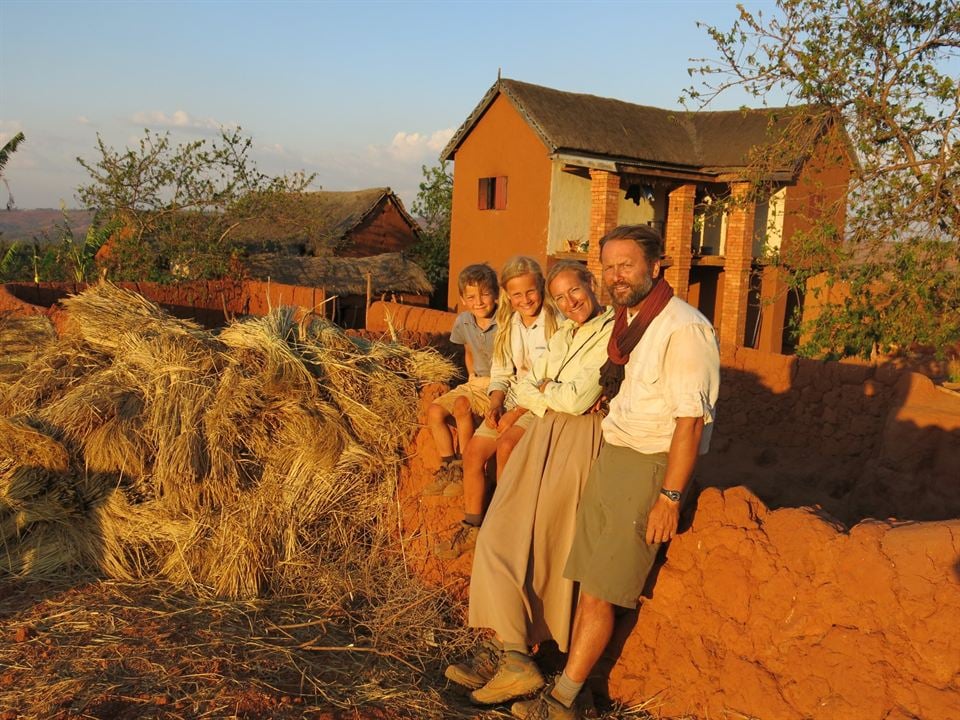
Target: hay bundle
x=142, y=446
x=21, y=338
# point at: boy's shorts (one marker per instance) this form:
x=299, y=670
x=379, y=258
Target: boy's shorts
x=474, y=389
x=523, y=422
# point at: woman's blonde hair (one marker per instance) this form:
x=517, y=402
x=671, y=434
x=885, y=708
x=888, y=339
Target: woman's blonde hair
x=513, y=268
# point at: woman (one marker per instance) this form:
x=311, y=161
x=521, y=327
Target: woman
x=517, y=588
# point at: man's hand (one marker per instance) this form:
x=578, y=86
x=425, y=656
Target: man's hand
x=662, y=521
x=665, y=514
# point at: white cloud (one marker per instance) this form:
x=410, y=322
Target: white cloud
x=273, y=149
x=180, y=119
x=414, y=145
x=83, y=119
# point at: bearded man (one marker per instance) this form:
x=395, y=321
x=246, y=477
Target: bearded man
x=661, y=382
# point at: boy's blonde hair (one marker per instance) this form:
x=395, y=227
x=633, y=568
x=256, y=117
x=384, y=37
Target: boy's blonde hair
x=513, y=268
x=479, y=274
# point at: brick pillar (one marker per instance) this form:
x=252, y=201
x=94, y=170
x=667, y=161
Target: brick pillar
x=773, y=310
x=677, y=237
x=604, y=202
x=736, y=268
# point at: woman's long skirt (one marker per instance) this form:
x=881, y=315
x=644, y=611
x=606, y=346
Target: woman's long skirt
x=517, y=586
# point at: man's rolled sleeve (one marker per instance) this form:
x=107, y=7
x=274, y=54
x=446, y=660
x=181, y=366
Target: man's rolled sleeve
x=691, y=368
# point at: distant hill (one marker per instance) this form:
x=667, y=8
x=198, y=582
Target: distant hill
x=25, y=225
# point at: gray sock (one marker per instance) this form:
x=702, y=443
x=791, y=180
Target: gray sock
x=473, y=519
x=519, y=648
x=565, y=690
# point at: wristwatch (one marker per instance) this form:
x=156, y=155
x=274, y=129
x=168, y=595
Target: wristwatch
x=672, y=494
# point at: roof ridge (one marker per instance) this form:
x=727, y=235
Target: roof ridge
x=605, y=128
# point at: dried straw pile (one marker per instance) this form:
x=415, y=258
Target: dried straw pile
x=260, y=459
x=21, y=338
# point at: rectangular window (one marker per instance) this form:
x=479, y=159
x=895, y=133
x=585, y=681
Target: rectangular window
x=492, y=193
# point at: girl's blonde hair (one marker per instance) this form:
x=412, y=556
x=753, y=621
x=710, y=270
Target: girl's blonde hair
x=515, y=267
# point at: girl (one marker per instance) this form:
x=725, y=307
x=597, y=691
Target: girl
x=524, y=326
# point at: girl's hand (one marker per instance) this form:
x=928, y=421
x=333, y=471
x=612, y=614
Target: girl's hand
x=508, y=419
x=493, y=415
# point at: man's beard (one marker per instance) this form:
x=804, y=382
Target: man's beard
x=637, y=292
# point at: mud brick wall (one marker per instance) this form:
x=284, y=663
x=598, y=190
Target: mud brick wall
x=780, y=610
x=858, y=440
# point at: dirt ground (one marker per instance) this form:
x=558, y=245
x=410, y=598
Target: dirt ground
x=105, y=649
x=115, y=650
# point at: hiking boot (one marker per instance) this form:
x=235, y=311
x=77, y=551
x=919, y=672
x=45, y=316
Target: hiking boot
x=476, y=670
x=546, y=707
x=454, y=486
x=445, y=473
x=463, y=540
x=517, y=675
x=453, y=489
x=438, y=485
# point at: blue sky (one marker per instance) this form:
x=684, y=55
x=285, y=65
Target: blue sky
x=361, y=93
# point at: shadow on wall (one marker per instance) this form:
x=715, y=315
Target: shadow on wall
x=858, y=441
x=864, y=463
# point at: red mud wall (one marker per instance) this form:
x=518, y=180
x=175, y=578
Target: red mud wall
x=859, y=440
x=408, y=318
x=207, y=302
x=415, y=326
x=785, y=614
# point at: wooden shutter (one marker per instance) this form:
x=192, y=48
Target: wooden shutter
x=500, y=193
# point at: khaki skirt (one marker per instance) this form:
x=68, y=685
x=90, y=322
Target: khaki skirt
x=517, y=587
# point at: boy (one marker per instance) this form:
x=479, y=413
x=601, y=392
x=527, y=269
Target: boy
x=475, y=329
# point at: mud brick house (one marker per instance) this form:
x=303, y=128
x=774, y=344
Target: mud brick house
x=547, y=173
x=352, y=223
x=341, y=288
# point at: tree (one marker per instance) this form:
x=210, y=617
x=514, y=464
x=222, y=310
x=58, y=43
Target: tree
x=180, y=207
x=880, y=69
x=9, y=148
x=6, y=151
x=432, y=207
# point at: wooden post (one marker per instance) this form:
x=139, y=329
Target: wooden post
x=369, y=293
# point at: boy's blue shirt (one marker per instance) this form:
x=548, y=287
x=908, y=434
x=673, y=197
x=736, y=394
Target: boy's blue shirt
x=466, y=332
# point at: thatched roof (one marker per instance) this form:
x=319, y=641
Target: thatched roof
x=389, y=272
x=323, y=218
x=587, y=125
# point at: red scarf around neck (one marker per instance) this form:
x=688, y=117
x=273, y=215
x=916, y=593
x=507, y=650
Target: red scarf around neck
x=625, y=337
